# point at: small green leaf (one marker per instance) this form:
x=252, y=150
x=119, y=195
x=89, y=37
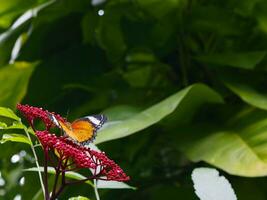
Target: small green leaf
x=76, y=176
x=248, y=60
x=79, y=198
x=15, y=138
x=51, y=170
x=16, y=126
x=8, y=113
x=183, y=102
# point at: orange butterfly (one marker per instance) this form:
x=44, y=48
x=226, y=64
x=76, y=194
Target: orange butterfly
x=82, y=130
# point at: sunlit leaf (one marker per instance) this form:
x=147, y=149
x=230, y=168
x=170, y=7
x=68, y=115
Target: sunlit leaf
x=15, y=138
x=181, y=102
x=113, y=185
x=79, y=198
x=238, y=147
x=8, y=113
x=77, y=176
x=51, y=170
x=248, y=87
x=210, y=186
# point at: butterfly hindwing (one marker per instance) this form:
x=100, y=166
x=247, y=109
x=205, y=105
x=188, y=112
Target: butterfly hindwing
x=86, y=128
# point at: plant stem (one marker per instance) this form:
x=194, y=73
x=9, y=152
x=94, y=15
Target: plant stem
x=47, y=197
x=55, y=183
x=96, y=191
x=36, y=162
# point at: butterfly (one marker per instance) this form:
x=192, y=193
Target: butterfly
x=82, y=130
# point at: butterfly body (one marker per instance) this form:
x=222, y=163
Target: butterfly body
x=82, y=130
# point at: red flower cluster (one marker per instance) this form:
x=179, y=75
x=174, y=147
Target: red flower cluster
x=80, y=157
x=31, y=113
x=83, y=157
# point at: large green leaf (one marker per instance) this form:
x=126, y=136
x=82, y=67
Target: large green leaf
x=240, y=148
x=14, y=80
x=183, y=102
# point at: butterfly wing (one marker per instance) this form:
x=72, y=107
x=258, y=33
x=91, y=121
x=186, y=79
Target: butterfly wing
x=85, y=129
x=81, y=130
x=65, y=126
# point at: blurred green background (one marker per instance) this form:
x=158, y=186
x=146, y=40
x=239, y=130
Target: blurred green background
x=184, y=80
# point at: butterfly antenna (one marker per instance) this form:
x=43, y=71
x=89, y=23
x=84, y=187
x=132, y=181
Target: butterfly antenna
x=68, y=112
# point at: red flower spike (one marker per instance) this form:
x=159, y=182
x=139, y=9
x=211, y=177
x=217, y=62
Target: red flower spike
x=83, y=157
x=31, y=113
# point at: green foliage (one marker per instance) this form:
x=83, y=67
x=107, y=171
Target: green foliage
x=14, y=81
x=243, y=140
x=183, y=84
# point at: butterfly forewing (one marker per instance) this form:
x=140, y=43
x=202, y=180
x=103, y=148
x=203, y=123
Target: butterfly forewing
x=83, y=130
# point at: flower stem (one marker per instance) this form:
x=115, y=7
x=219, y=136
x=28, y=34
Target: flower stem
x=47, y=197
x=36, y=162
x=96, y=191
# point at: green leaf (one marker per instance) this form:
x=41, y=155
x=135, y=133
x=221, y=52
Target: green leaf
x=248, y=60
x=14, y=80
x=183, y=102
x=120, y=112
x=51, y=170
x=74, y=175
x=248, y=93
x=247, y=86
x=239, y=148
x=3, y=125
x=10, y=9
x=15, y=138
x=9, y=37
x=16, y=126
x=79, y=198
x=8, y=113
x=113, y=185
